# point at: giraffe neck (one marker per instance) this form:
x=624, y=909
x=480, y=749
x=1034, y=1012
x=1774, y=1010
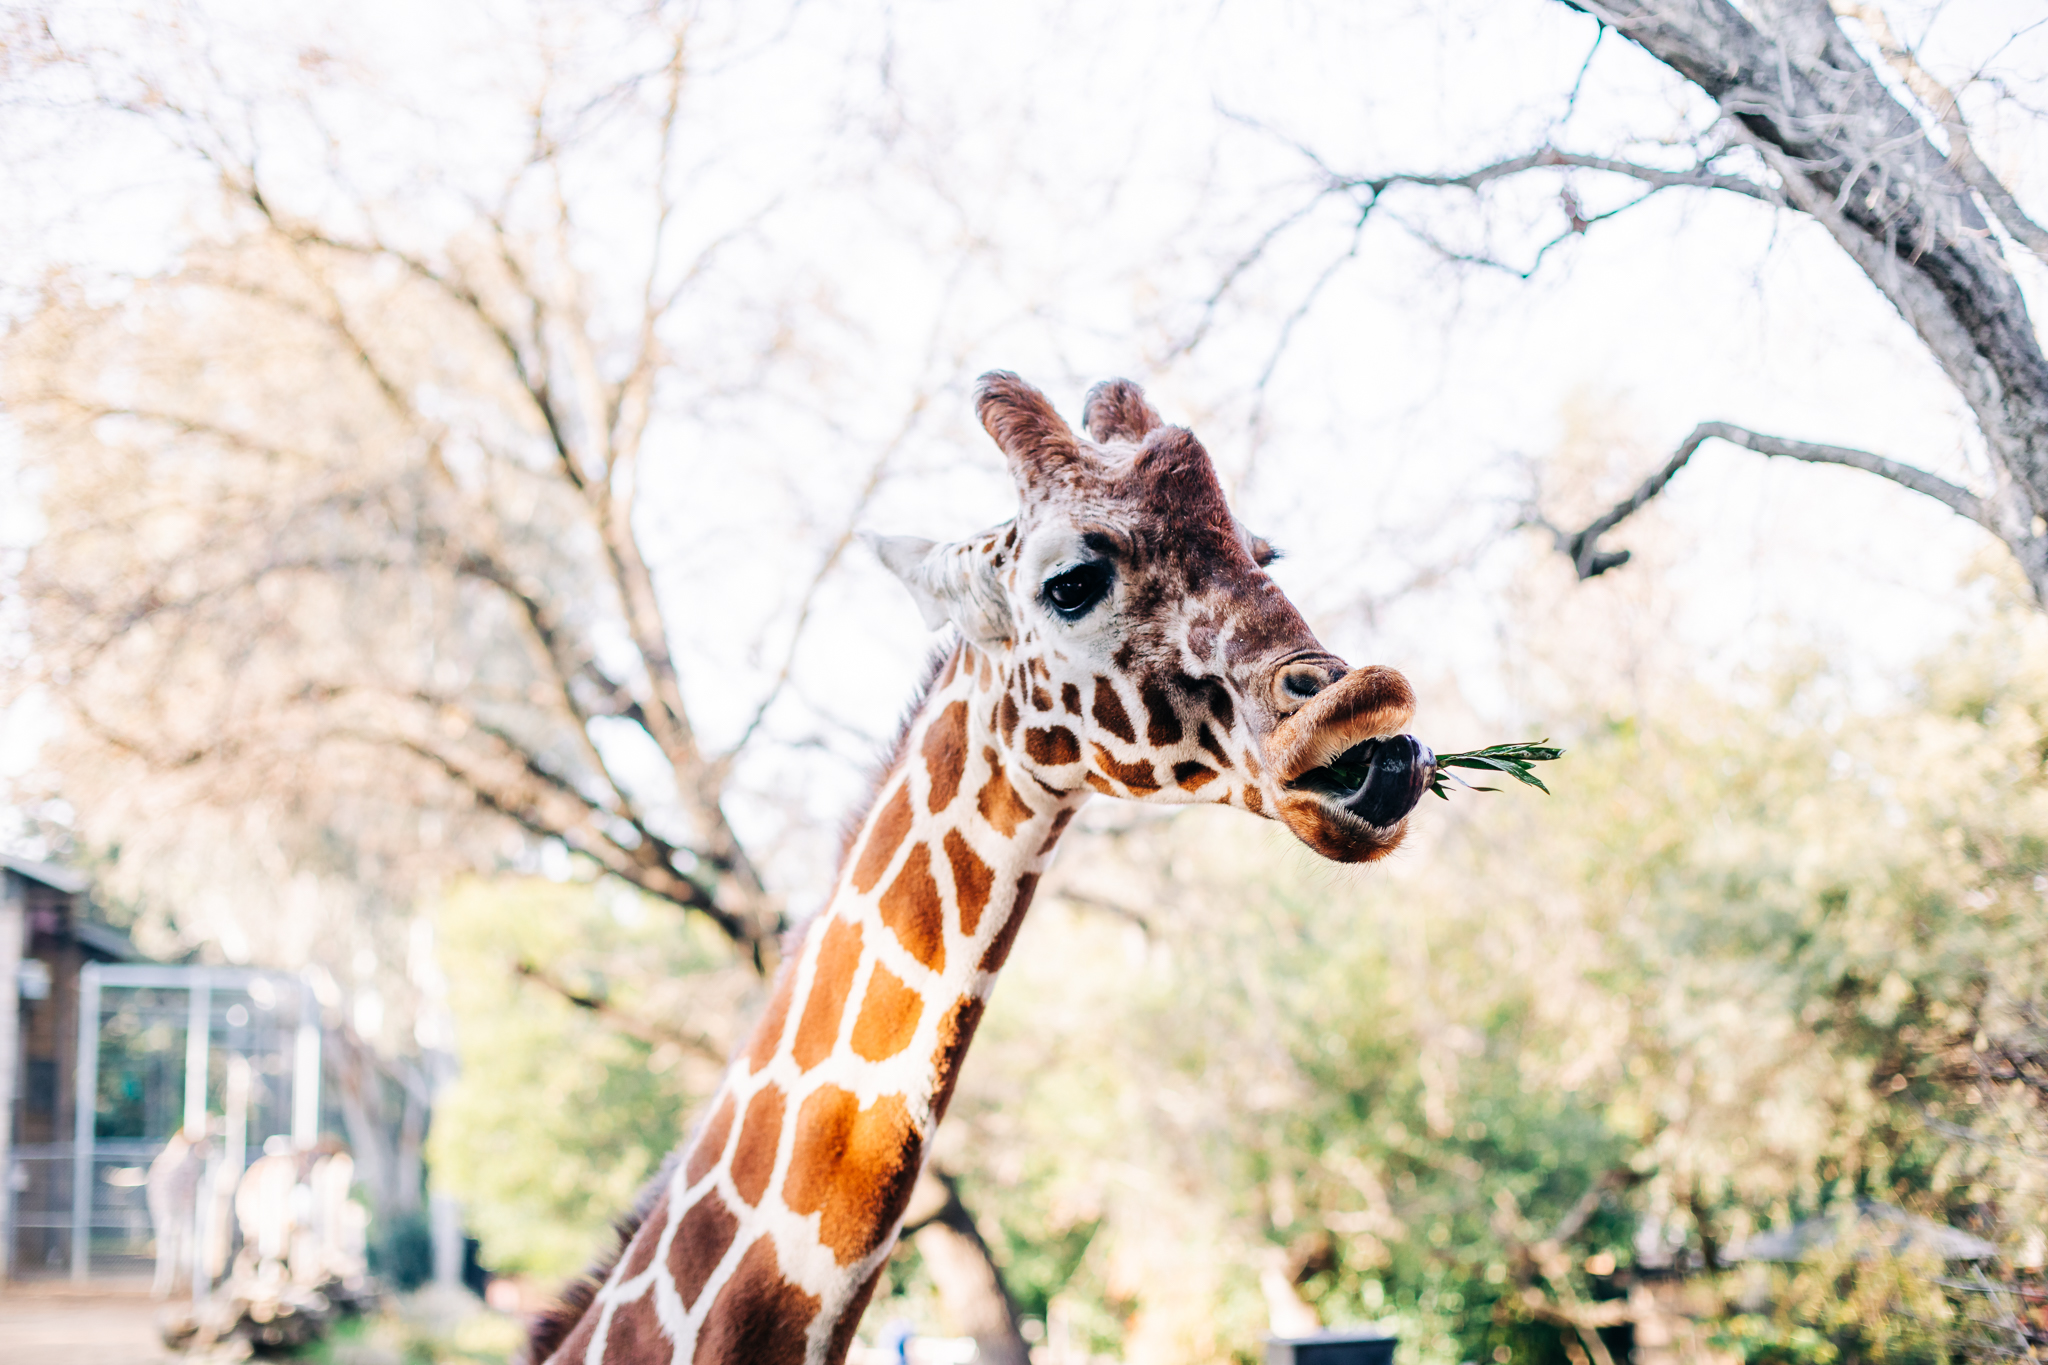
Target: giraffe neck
x=767, y=1238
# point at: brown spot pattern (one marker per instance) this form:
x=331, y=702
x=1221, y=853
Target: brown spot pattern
x=1253, y=802
x=753, y=1161
x=888, y=1016
x=641, y=1254
x=1070, y=698
x=956, y=1031
x=1059, y=827
x=972, y=880
x=999, y=947
x=1100, y=783
x=1055, y=747
x=1162, y=722
x=1220, y=704
x=701, y=1241
x=849, y=1321
x=1041, y=700
x=759, y=1317
x=1110, y=713
x=768, y=1033
x=1137, y=776
x=1000, y=804
x=853, y=1167
x=838, y=958
x=1207, y=738
x=1009, y=717
x=913, y=912
x=574, y=1346
x=1191, y=776
x=636, y=1332
x=710, y=1143
x=945, y=757
x=884, y=837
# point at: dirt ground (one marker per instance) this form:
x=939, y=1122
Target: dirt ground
x=55, y=1325
x=116, y=1324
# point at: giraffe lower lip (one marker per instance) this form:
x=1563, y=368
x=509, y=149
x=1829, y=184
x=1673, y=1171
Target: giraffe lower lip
x=1378, y=781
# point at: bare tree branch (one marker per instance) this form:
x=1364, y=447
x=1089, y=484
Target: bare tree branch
x=603, y=479
x=1583, y=547
x=1850, y=155
x=1842, y=149
x=1942, y=102
x=1700, y=176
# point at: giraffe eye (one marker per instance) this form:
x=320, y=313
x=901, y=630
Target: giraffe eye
x=1072, y=594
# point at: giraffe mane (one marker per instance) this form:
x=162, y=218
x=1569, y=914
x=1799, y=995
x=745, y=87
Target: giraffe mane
x=552, y=1325
x=891, y=757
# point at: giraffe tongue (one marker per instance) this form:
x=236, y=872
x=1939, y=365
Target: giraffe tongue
x=1378, y=781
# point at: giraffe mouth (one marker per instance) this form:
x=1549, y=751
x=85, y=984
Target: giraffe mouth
x=1378, y=781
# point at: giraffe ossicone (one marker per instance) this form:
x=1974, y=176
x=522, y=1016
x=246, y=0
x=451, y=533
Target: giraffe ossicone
x=1120, y=635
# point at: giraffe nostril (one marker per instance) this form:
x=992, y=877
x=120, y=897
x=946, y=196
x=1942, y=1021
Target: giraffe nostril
x=1296, y=683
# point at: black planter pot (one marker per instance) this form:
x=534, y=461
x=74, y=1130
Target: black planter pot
x=1331, y=1348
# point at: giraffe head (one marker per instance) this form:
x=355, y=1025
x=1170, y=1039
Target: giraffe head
x=1132, y=642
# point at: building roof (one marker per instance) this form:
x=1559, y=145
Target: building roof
x=102, y=941
x=68, y=880
x=1874, y=1224
x=105, y=941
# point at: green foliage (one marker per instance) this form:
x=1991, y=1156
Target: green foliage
x=1749, y=965
x=557, y=1118
x=1851, y=1301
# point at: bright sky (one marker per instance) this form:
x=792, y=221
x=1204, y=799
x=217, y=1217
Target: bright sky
x=940, y=188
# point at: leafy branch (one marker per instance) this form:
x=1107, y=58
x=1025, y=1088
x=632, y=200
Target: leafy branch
x=1515, y=760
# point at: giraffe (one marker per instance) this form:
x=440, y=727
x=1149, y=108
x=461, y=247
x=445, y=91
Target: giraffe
x=1120, y=635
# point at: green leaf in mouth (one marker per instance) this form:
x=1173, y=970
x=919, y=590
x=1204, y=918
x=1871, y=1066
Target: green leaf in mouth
x=1515, y=760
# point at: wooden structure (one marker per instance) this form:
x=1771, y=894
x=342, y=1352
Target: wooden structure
x=46, y=941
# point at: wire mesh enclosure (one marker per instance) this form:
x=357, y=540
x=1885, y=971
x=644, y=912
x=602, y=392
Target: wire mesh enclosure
x=229, y=1055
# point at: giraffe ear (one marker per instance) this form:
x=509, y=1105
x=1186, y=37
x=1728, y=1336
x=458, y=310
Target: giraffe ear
x=954, y=583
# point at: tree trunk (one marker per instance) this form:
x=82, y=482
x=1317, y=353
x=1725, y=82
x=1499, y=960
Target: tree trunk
x=360, y=1093
x=1852, y=156
x=969, y=1281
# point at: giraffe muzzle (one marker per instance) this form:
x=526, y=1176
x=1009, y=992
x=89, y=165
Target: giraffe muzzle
x=1348, y=774
x=1378, y=781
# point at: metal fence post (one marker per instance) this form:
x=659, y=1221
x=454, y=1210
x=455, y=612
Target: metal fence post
x=85, y=1100
x=306, y=1070
x=12, y=939
x=198, y=1038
